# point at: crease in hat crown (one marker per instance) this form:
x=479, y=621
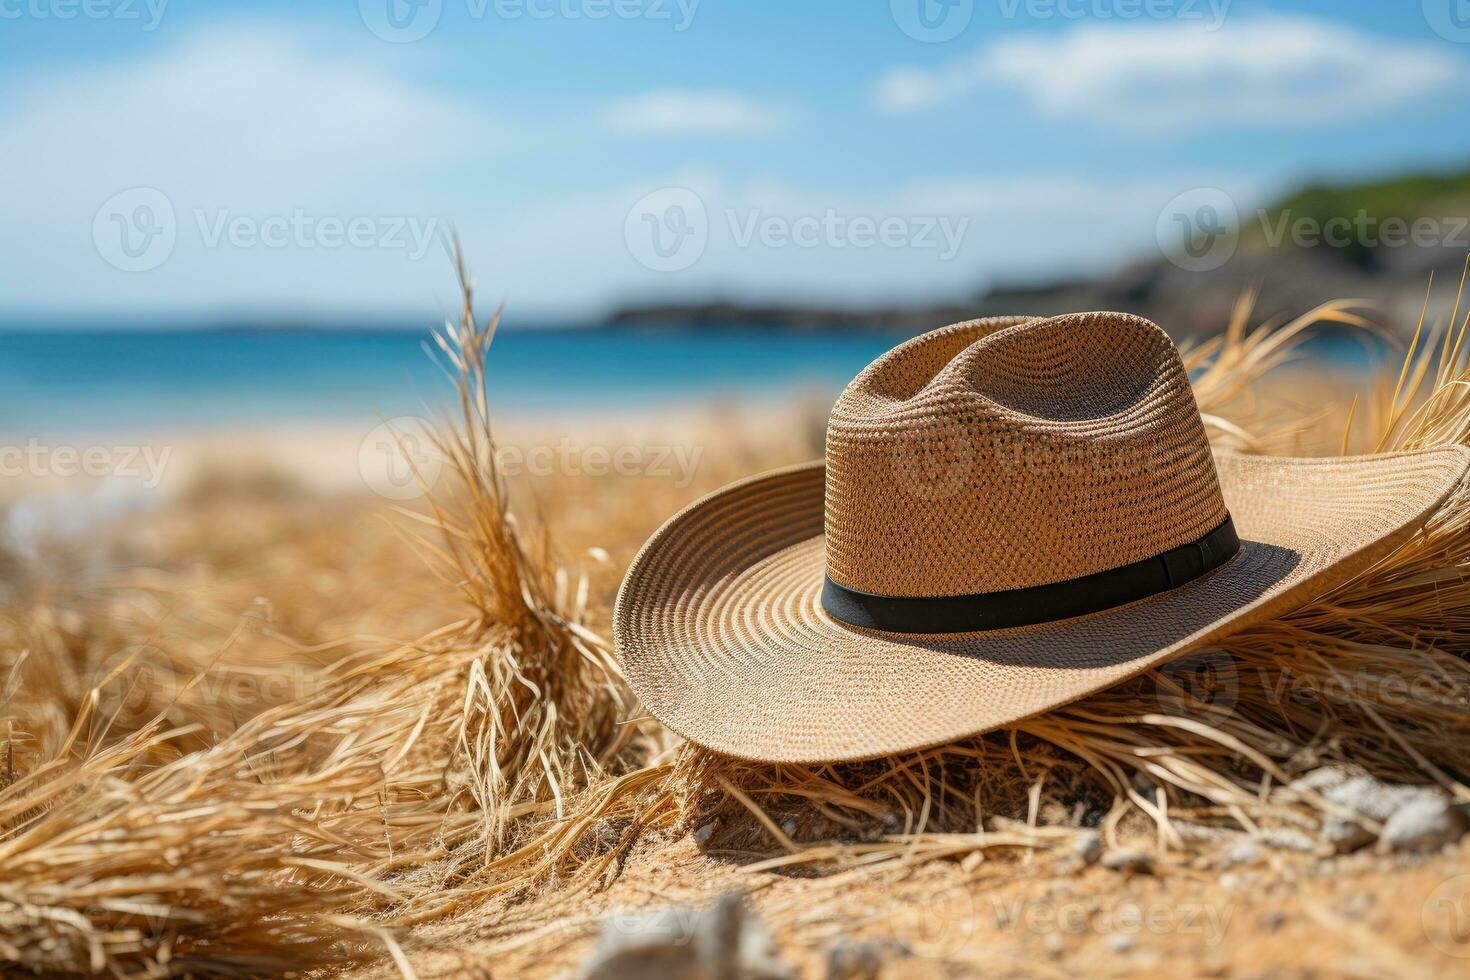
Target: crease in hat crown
x=1007, y=453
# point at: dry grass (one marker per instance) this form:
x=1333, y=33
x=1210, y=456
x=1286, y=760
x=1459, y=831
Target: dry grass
x=159, y=819
x=385, y=782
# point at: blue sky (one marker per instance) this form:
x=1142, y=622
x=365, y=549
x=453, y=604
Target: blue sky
x=278, y=158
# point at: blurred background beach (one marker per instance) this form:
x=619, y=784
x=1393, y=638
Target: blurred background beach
x=226, y=227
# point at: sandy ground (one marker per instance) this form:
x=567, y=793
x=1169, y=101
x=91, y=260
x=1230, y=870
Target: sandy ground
x=1283, y=915
x=258, y=507
x=114, y=474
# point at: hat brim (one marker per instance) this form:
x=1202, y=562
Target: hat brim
x=722, y=632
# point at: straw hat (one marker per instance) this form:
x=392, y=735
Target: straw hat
x=1013, y=513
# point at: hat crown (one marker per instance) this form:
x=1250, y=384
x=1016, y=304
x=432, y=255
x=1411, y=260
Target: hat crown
x=1013, y=452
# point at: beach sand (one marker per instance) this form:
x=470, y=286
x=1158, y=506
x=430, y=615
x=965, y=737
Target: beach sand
x=265, y=554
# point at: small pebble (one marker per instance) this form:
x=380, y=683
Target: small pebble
x=703, y=834
x=1371, y=798
x=1120, y=942
x=724, y=940
x=1087, y=847
x=1423, y=824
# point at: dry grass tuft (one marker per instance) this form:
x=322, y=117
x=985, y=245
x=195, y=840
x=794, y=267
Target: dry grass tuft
x=385, y=787
x=542, y=716
x=154, y=822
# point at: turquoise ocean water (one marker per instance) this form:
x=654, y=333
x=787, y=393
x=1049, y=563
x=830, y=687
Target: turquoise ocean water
x=68, y=380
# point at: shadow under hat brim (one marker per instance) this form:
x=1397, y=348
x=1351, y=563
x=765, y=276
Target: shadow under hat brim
x=720, y=624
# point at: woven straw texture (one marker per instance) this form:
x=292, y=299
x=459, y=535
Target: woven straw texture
x=720, y=623
x=999, y=454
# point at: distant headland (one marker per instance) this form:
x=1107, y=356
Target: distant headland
x=1378, y=242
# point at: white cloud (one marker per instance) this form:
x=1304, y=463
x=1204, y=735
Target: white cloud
x=253, y=121
x=1270, y=70
x=904, y=89
x=681, y=111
